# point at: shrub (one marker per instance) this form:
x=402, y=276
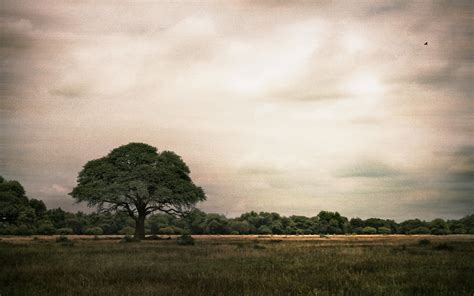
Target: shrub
x=234, y=232
x=4, y=228
x=369, y=230
x=65, y=231
x=264, y=230
x=185, y=240
x=94, y=231
x=46, y=228
x=127, y=230
x=440, y=231
x=419, y=230
x=384, y=230
x=24, y=230
x=171, y=230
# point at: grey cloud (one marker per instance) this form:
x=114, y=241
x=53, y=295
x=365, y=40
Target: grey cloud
x=368, y=169
x=462, y=166
x=382, y=8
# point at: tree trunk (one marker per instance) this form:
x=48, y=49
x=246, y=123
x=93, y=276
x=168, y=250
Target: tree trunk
x=140, y=227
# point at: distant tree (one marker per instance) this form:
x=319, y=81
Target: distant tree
x=264, y=229
x=12, y=200
x=65, y=231
x=384, y=230
x=409, y=225
x=138, y=180
x=468, y=223
x=356, y=223
x=419, y=230
x=217, y=224
x=38, y=206
x=332, y=222
x=439, y=227
x=46, y=227
x=240, y=227
x=57, y=217
x=94, y=231
x=369, y=230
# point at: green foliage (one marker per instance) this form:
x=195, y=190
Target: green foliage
x=127, y=230
x=12, y=200
x=239, y=227
x=22, y=216
x=94, y=231
x=384, y=230
x=439, y=227
x=46, y=227
x=185, y=240
x=369, y=230
x=65, y=231
x=419, y=230
x=264, y=229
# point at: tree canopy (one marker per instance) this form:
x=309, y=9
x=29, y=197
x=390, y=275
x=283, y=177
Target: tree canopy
x=138, y=180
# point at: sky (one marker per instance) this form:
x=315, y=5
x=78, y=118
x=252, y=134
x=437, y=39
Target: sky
x=292, y=107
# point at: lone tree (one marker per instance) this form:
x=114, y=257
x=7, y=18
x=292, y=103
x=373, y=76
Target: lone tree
x=138, y=180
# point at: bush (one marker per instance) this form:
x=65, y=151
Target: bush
x=440, y=231
x=65, y=231
x=171, y=230
x=384, y=230
x=24, y=230
x=234, y=232
x=94, y=231
x=46, y=228
x=419, y=230
x=369, y=230
x=166, y=230
x=127, y=230
x=185, y=240
x=264, y=230
x=4, y=228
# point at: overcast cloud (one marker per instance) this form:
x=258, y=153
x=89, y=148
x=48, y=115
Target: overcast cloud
x=291, y=107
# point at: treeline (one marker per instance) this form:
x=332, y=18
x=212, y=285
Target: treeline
x=22, y=216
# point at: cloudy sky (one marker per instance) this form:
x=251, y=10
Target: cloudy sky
x=284, y=106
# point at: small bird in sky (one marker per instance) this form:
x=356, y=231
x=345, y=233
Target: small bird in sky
x=426, y=43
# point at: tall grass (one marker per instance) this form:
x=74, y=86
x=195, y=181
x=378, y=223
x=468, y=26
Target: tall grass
x=223, y=266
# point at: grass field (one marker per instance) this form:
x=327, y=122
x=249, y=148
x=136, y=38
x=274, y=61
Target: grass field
x=239, y=265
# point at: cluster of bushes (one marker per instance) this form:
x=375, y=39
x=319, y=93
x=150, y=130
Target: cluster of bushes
x=22, y=216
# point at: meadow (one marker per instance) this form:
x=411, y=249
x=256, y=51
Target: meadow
x=239, y=265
